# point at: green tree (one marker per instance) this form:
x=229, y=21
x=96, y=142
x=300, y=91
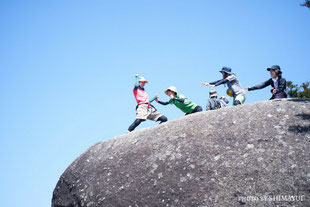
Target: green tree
x=306, y=4
x=296, y=91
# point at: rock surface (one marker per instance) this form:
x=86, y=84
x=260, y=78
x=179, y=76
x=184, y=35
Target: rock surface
x=230, y=157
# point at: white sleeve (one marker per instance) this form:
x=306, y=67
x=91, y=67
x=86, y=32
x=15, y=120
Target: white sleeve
x=231, y=78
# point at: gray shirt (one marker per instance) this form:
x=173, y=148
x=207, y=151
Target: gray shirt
x=232, y=83
x=235, y=85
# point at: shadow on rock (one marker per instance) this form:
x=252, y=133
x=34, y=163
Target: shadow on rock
x=301, y=128
x=299, y=99
x=304, y=116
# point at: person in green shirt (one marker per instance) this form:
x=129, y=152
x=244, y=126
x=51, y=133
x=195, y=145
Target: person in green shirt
x=180, y=101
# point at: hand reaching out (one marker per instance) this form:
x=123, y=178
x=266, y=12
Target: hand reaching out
x=208, y=84
x=205, y=84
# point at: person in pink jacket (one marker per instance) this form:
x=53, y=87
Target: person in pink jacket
x=144, y=110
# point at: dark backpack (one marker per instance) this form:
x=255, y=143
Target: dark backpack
x=215, y=104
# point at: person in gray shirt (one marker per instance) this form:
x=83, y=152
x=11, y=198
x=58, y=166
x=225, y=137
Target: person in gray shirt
x=234, y=86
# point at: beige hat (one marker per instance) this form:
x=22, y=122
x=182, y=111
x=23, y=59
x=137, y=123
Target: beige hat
x=213, y=93
x=142, y=79
x=171, y=88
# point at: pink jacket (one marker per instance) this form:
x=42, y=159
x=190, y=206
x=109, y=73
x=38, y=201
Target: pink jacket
x=141, y=96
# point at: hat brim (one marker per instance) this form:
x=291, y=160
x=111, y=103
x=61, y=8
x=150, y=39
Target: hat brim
x=225, y=72
x=269, y=69
x=166, y=91
x=145, y=81
x=213, y=95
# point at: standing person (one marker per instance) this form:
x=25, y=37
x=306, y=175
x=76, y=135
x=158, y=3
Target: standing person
x=276, y=81
x=144, y=109
x=234, y=85
x=180, y=101
x=215, y=103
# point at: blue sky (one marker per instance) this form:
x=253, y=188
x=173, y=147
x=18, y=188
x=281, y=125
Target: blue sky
x=67, y=71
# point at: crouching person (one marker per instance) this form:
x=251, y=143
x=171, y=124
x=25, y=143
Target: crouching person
x=276, y=81
x=224, y=100
x=144, y=110
x=216, y=103
x=180, y=101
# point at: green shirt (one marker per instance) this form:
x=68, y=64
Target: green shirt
x=187, y=107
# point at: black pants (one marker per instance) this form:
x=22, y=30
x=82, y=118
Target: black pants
x=137, y=122
x=197, y=109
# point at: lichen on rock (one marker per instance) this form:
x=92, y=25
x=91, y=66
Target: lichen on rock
x=213, y=158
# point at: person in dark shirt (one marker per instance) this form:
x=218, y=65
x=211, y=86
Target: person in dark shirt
x=277, y=82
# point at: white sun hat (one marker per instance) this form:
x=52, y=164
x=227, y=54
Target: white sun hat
x=142, y=79
x=171, y=88
x=213, y=93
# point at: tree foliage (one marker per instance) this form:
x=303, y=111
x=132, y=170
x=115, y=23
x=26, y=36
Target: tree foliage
x=306, y=4
x=296, y=91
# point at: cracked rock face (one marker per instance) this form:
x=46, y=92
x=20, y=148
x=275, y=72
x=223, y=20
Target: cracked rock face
x=229, y=157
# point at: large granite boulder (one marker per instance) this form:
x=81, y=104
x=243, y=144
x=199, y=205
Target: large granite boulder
x=256, y=154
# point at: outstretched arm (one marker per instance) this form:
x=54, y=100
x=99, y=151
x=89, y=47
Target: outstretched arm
x=163, y=102
x=158, y=101
x=136, y=82
x=217, y=83
x=260, y=86
x=153, y=99
x=182, y=100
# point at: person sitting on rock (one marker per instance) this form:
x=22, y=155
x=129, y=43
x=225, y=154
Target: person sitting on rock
x=234, y=86
x=180, y=101
x=224, y=100
x=276, y=81
x=215, y=103
x=144, y=109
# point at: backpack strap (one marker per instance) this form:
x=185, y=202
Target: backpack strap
x=213, y=104
x=153, y=107
x=222, y=103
